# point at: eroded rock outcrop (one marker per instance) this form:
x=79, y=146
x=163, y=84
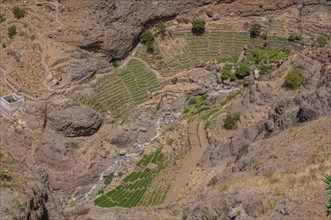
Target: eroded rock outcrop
x=73, y=121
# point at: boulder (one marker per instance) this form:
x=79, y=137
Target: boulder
x=210, y=13
x=256, y=73
x=122, y=152
x=249, y=80
x=218, y=67
x=74, y=121
x=210, y=67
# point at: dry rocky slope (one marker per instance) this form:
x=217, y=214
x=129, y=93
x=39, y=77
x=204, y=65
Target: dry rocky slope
x=55, y=150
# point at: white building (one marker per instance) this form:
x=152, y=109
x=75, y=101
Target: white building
x=10, y=103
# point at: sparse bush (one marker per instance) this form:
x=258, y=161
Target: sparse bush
x=246, y=25
x=294, y=37
x=18, y=13
x=327, y=204
x=230, y=120
x=264, y=35
x=294, y=79
x=198, y=27
x=255, y=30
x=264, y=69
x=174, y=80
x=161, y=29
x=147, y=38
x=115, y=63
x=12, y=31
x=322, y=41
x=242, y=70
x=2, y=18
x=207, y=125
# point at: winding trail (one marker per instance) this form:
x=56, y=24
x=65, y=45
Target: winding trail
x=43, y=62
x=199, y=144
x=158, y=75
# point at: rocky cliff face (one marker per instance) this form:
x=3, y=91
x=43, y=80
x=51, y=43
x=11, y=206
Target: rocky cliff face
x=113, y=27
x=25, y=193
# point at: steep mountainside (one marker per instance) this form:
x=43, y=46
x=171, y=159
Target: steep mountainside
x=106, y=125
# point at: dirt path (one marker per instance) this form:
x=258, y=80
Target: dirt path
x=158, y=75
x=199, y=144
x=241, y=56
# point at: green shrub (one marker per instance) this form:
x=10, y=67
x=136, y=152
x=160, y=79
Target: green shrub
x=242, y=70
x=270, y=55
x=250, y=58
x=174, y=80
x=12, y=31
x=4, y=176
x=2, y=18
x=147, y=38
x=265, y=69
x=255, y=30
x=327, y=204
x=322, y=41
x=294, y=37
x=107, y=179
x=294, y=79
x=161, y=29
x=198, y=27
x=197, y=102
x=226, y=74
x=18, y=13
x=230, y=120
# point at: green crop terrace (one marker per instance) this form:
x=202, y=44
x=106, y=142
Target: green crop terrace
x=213, y=44
x=132, y=190
x=120, y=91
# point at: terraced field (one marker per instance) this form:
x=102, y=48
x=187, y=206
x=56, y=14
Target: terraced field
x=211, y=45
x=120, y=91
x=131, y=192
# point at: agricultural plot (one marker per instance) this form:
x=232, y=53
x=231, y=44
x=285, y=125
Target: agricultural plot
x=211, y=45
x=131, y=192
x=118, y=93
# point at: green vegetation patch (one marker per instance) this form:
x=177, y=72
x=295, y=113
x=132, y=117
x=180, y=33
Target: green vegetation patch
x=226, y=74
x=133, y=187
x=294, y=79
x=233, y=59
x=242, y=70
x=118, y=93
x=270, y=55
x=211, y=45
x=198, y=26
x=294, y=37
